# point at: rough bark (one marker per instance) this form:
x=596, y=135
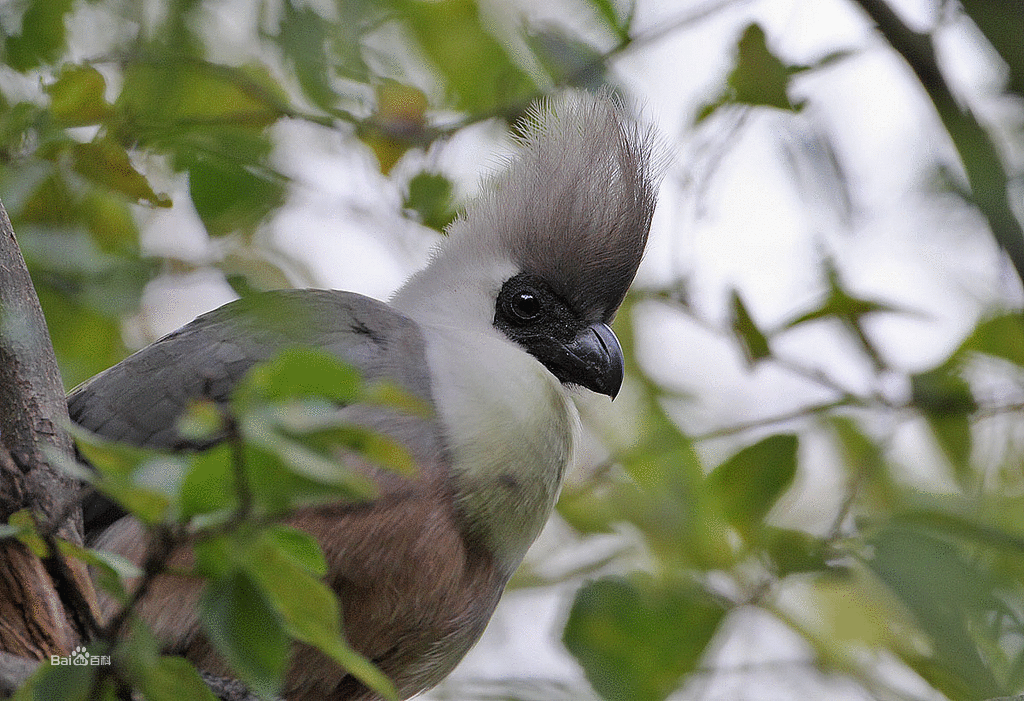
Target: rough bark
x=44, y=603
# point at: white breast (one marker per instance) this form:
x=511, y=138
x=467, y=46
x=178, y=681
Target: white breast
x=510, y=428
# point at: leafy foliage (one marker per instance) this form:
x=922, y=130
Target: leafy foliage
x=929, y=576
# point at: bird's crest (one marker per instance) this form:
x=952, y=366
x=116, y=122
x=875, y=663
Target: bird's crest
x=574, y=206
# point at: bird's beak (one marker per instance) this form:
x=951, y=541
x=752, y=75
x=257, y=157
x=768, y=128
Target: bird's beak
x=596, y=357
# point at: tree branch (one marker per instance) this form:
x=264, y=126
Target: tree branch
x=982, y=164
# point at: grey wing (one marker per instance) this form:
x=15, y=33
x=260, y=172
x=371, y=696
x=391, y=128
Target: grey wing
x=140, y=400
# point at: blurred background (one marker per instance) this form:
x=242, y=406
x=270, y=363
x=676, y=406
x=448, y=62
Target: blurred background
x=812, y=484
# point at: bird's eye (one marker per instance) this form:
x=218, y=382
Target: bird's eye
x=525, y=306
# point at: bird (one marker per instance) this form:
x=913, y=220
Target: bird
x=506, y=324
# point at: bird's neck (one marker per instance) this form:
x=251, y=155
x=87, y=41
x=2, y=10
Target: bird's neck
x=510, y=429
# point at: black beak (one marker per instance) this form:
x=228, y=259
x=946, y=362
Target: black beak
x=595, y=360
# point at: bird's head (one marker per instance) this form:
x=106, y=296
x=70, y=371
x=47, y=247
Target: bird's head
x=547, y=252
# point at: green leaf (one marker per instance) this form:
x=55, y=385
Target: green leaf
x=172, y=679
x=751, y=338
x=245, y=629
x=231, y=195
x=636, y=639
x=112, y=225
x=142, y=481
x=25, y=531
x=567, y=60
x=162, y=96
x=609, y=14
x=946, y=401
x=42, y=35
x=1001, y=337
x=299, y=547
x=759, y=77
x=430, y=197
x=940, y=391
x=78, y=98
x=477, y=69
x=108, y=570
x=209, y=485
x=950, y=597
x=303, y=37
x=148, y=505
x=849, y=310
x=399, y=122
x=65, y=682
x=865, y=462
x=267, y=430
x=795, y=552
x=297, y=373
x=750, y=482
x=84, y=341
x=107, y=164
x=1001, y=24
x=308, y=609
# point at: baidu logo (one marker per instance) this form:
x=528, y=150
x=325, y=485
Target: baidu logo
x=79, y=657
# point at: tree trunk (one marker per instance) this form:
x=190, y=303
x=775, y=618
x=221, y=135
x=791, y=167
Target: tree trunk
x=45, y=603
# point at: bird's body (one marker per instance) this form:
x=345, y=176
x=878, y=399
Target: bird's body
x=511, y=311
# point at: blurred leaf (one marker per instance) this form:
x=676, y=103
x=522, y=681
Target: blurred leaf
x=42, y=35
x=430, y=197
x=111, y=223
x=568, y=60
x=477, y=69
x=1001, y=337
x=636, y=638
x=399, y=123
x=25, y=531
x=172, y=679
x=794, y=551
x=940, y=391
x=108, y=165
x=950, y=598
x=752, y=340
x=866, y=464
x=279, y=432
x=667, y=499
x=78, y=98
x=589, y=508
x=299, y=547
x=211, y=119
x=849, y=310
x=946, y=402
x=297, y=373
x=1001, y=22
x=245, y=629
x=65, y=682
x=108, y=571
x=609, y=13
x=758, y=78
x=162, y=96
x=20, y=134
x=287, y=473
x=209, y=485
x=308, y=609
x=84, y=342
x=302, y=37
x=202, y=423
x=120, y=473
x=233, y=192
x=750, y=482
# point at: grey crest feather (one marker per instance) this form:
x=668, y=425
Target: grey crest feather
x=575, y=205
